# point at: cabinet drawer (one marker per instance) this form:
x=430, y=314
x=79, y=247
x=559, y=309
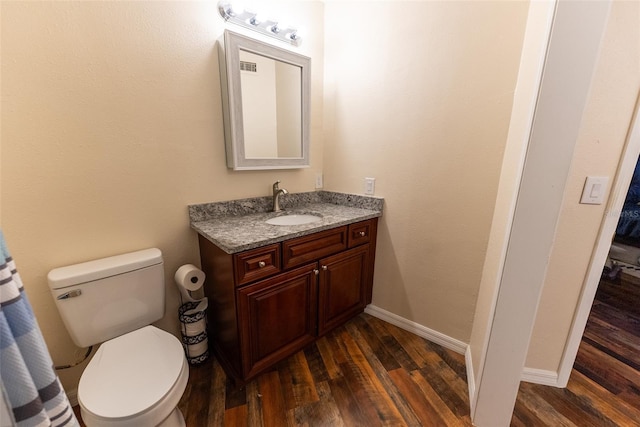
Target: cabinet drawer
x=255, y=264
x=360, y=233
x=310, y=248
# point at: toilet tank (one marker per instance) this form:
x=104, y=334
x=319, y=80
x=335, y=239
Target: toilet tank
x=102, y=299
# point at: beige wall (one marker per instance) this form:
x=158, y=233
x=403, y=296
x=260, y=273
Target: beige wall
x=111, y=126
x=609, y=111
x=418, y=95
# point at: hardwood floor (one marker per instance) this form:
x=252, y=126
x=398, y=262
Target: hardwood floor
x=604, y=387
x=366, y=372
x=370, y=373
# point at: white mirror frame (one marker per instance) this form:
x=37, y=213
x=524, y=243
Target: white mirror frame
x=232, y=102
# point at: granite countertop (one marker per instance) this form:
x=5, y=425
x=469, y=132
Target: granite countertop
x=239, y=225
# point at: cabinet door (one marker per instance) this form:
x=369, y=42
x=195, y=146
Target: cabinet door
x=277, y=317
x=342, y=292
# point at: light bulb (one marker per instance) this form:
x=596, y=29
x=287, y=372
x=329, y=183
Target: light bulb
x=256, y=20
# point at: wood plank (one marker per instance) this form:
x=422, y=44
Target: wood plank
x=606, y=370
x=459, y=386
x=616, y=350
x=434, y=376
x=254, y=405
x=543, y=411
x=286, y=385
x=217, y=389
x=606, y=403
x=273, y=406
x=383, y=351
x=197, y=410
x=455, y=360
x=368, y=381
x=604, y=388
x=404, y=409
x=393, y=344
x=304, y=390
x=420, y=406
x=615, y=316
x=328, y=359
x=418, y=351
x=350, y=411
x=316, y=364
x=236, y=416
x=437, y=403
x=522, y=415
x=324, y=412
x=235, y=394
x=574, y=407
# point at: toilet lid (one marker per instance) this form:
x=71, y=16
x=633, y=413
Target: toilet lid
x=131, y=373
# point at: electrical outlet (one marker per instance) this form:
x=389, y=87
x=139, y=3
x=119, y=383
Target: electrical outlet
x=318, y=181
x=369, y=186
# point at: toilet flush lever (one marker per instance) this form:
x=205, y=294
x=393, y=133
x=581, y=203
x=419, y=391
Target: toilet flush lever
x=70, y=294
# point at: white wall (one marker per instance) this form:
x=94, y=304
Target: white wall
x=111, y=126
x=289, y=92
x=418, y=95
x=259, y=111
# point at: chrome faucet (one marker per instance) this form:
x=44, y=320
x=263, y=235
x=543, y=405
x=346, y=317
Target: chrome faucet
x=276, y=196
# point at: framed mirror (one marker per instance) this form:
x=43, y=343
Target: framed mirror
x=266, y=105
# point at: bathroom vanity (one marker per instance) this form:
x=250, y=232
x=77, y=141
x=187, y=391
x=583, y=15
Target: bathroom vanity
x=275, y=289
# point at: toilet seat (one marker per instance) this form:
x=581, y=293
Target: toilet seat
x=134, y=379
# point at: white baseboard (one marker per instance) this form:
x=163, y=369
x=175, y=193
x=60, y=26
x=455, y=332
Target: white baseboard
x=471, y=379
x=415, y=328
x=540, y=376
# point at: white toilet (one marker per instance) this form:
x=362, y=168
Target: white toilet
x=139, y=373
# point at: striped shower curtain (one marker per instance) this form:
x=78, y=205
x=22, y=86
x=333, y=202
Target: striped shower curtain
x=31, y=391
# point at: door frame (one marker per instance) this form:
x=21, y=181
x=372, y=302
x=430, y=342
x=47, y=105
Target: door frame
x=617, y=195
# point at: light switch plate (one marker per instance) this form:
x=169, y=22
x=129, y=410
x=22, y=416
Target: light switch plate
x=595, y=188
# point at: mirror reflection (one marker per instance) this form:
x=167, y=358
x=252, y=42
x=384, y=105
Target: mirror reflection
x=271, y=108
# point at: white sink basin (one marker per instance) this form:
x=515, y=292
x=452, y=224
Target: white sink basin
x=293, y=219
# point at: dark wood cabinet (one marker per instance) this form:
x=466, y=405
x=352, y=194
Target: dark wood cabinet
x=342, y=289
x=267, y=303
x=277, y=317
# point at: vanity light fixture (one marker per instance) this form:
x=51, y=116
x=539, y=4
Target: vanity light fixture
x=250, y=20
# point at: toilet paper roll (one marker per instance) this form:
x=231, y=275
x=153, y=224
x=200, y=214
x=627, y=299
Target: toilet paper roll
x=192, y=329
x=197, y=349
x=189, y=278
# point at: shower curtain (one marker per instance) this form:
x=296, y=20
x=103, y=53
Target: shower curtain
x=31, y=391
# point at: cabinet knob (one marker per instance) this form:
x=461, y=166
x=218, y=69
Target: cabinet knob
x=324, y=267
x=262, y=264
x=316, y=271
x=362, y=234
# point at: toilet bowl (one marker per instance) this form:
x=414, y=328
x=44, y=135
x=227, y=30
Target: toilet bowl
x=138, y=375
x=135, y=380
